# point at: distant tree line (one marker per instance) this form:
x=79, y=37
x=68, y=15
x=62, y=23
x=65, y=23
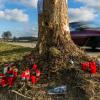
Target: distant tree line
x=23, y=39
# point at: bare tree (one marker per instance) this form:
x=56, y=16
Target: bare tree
x=7, y=35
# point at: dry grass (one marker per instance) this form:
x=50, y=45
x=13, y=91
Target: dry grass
x=9, y=52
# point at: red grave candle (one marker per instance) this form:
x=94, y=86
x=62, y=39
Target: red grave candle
x=35, y=67
x=33, y=79
x=38, y=73
x=93, y=67
x=85, y=66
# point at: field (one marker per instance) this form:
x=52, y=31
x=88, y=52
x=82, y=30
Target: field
x=10, y=52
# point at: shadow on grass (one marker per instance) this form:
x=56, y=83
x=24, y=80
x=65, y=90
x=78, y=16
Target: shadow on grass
x=15, y=51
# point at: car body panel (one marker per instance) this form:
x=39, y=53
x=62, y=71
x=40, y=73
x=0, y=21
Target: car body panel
x=86, y=37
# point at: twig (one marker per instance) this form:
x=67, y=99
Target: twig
x=21, y=94
x=22, y=87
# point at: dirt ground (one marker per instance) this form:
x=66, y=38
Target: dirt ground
x=33, y=44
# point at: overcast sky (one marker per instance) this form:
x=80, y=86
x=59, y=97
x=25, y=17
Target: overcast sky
x=20, y=16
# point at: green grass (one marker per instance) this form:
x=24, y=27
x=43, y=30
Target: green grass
x=10, y=52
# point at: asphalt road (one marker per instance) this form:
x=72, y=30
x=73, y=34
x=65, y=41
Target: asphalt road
x=91, y=52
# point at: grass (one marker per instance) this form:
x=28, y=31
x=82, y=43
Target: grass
x=9, y=52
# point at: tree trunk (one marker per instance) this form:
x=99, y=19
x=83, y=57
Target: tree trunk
x=54, y=33
x=55, y=46
x=53, y=26
x=54, y=29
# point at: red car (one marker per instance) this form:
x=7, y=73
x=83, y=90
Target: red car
x=86, y=37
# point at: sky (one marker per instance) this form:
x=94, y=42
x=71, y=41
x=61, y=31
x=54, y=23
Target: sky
x=20, y=16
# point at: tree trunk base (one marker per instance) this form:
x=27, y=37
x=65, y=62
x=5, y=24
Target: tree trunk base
x=62, y=56
x=62, y=70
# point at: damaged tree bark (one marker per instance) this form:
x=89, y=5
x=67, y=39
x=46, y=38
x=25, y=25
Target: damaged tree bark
x=54, y=28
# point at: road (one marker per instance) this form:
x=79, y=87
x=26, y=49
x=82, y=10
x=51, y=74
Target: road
x=91, y=52
x=33, y=44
